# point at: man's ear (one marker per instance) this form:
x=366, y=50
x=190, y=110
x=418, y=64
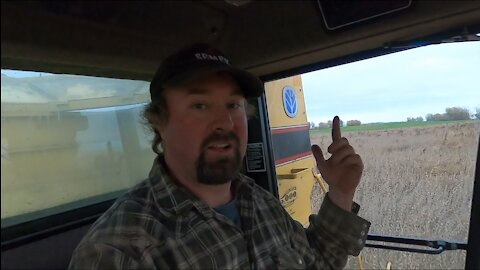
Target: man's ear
x=159, y=125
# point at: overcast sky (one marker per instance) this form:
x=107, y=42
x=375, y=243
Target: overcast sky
x=393, y=87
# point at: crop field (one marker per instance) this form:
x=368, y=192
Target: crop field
x=392, y=125
x=417, y=182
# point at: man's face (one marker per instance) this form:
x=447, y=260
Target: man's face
x=205, y=136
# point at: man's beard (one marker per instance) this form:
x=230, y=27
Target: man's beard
x=221, y=170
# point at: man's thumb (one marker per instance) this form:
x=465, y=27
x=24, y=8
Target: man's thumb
x=318, y=154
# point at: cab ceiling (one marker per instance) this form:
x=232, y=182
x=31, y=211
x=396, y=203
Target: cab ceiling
x=128, y=39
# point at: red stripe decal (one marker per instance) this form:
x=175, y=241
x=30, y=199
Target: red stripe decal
x=294, y=157
x=289, y=129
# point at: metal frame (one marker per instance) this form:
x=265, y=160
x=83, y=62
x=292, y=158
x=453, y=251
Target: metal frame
x=35, y=230
x=258, y=132
x=473, y=249
x=430, y=246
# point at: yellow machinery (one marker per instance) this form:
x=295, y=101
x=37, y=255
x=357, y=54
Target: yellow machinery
x=294, y=161
x=291, y=145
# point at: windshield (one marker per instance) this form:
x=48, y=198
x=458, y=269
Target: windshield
x=413, y=116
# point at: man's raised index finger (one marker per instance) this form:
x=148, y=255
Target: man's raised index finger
x=336, y=135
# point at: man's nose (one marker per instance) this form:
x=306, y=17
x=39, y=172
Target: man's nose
x=222, y=120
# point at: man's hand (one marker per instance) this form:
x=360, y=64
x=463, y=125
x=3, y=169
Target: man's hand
x=342, y=171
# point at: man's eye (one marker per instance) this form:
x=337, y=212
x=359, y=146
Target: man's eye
x=199, y=106
x=234, y=105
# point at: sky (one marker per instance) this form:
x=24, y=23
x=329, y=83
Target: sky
x=391, y=88
x=23, y=74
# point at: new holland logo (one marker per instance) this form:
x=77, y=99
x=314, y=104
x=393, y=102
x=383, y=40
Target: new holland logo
x=290, y=101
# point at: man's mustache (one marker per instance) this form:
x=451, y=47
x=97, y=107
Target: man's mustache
x=220, y=137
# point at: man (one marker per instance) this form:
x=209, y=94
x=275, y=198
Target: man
x=196, y=211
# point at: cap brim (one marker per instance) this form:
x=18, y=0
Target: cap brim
x=250, y=85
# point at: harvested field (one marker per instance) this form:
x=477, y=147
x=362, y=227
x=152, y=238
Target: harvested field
x=417, y=182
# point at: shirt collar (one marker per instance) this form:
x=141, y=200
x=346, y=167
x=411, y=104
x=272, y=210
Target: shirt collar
x=174, y=198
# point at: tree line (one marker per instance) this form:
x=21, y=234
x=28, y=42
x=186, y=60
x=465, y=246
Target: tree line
x=451, y=114
x=329, y=124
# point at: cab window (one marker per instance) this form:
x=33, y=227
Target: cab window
x=413, y=116
x=69, y=141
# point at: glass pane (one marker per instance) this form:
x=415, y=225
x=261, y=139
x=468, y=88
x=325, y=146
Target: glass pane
x=69, y=141
x=419, y=156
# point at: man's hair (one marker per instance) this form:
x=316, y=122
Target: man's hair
x=152, y=114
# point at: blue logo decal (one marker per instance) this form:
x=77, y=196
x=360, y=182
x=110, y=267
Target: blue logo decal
x=290, y=101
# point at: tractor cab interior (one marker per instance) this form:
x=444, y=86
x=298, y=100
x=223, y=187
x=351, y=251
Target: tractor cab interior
x=126, y=41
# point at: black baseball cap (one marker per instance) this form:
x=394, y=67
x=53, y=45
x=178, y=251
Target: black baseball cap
x=197, y=60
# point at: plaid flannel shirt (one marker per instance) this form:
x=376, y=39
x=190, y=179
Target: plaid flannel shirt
x=160, y=225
